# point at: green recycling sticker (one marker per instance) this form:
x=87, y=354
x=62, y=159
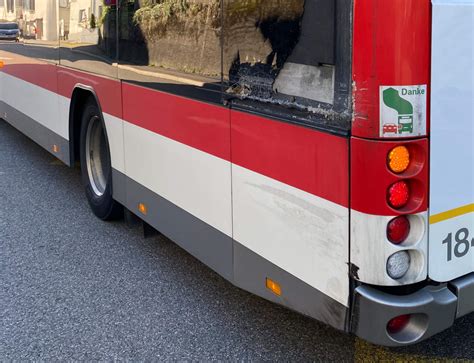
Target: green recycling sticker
x=403, y=111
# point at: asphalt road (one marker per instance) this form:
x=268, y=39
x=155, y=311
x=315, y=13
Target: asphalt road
x=73, y=287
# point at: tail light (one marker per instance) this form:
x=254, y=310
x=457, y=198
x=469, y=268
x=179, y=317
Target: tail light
x=389, y=197
x=399, y=159
x=398, y=264
x=397, y=324
x=398, y=194
x=398, y=230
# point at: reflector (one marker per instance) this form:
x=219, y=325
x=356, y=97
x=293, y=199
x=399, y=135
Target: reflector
x=397, y=324
x=142, y=208
x=273, y=286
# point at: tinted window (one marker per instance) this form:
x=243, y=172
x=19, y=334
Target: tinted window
x=172, y=44
x=88, y=36
x=38, y=28
x=8, y=26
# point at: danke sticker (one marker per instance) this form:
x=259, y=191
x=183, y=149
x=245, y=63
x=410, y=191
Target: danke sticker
x=402, y=111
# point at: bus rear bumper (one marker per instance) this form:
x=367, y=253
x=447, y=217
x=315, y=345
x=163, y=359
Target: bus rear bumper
x=431, y=309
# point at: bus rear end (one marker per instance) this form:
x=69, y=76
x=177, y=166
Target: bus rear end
x=317, y=153
x=412, y=226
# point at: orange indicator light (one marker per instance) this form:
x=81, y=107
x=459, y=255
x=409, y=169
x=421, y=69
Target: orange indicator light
x=399, y=159
x=55, y=148
x=142, y=208
x=273, y=286
x=2, y=64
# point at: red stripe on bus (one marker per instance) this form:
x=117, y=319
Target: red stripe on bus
x=43, y=75
x=63, y=81
x=106, y=89
x=310, y=160
x=199, y=125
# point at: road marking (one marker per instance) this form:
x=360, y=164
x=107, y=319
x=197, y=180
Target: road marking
x=56, y=162
x=366, y=352
x=440, y=217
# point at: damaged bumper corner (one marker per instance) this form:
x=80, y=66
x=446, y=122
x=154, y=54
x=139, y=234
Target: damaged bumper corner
x=432, y=310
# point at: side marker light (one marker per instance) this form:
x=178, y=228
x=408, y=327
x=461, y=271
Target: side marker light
x=142, y=208
x=273, y=286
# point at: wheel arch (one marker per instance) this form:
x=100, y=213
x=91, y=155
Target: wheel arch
x=80, y=96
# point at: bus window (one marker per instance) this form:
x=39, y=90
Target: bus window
x=87, y=35
x=172, y=45
x=283, y=52
x=36, y=33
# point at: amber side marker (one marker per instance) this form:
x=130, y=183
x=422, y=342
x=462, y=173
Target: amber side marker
x=55, y=148
x=273, y=286
x=2, y=64
x=142, y=208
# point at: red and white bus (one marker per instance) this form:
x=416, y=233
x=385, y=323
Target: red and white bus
x=317, y=153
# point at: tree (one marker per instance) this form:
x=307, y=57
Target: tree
x=93, y=22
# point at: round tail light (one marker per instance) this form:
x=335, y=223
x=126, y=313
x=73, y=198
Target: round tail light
x=396, y=325
x=398, y=229
x=398, y=194
x=399, y=159
x=398, y=264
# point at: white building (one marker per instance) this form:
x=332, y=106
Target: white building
x=51, y=20
x=36, y=18
x=7, y=10
x=81, y=12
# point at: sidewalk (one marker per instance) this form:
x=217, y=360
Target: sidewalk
x=54, y=44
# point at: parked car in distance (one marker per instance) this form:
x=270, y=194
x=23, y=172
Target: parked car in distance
x=9, y=31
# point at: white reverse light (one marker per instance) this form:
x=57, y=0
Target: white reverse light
x=398, y=264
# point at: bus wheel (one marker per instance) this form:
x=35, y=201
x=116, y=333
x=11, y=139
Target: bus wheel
x=96, y=167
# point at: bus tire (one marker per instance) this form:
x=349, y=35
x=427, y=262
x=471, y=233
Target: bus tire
x=96, y=166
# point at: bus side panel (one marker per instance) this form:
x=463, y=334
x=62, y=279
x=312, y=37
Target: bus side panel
x=290, y=213
x=177, y=161
x=451, y=142
x=29, y=102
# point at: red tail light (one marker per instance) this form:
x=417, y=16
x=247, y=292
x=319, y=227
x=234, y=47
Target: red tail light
x=398, y=229
x=398, y=194
x=396, y=325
